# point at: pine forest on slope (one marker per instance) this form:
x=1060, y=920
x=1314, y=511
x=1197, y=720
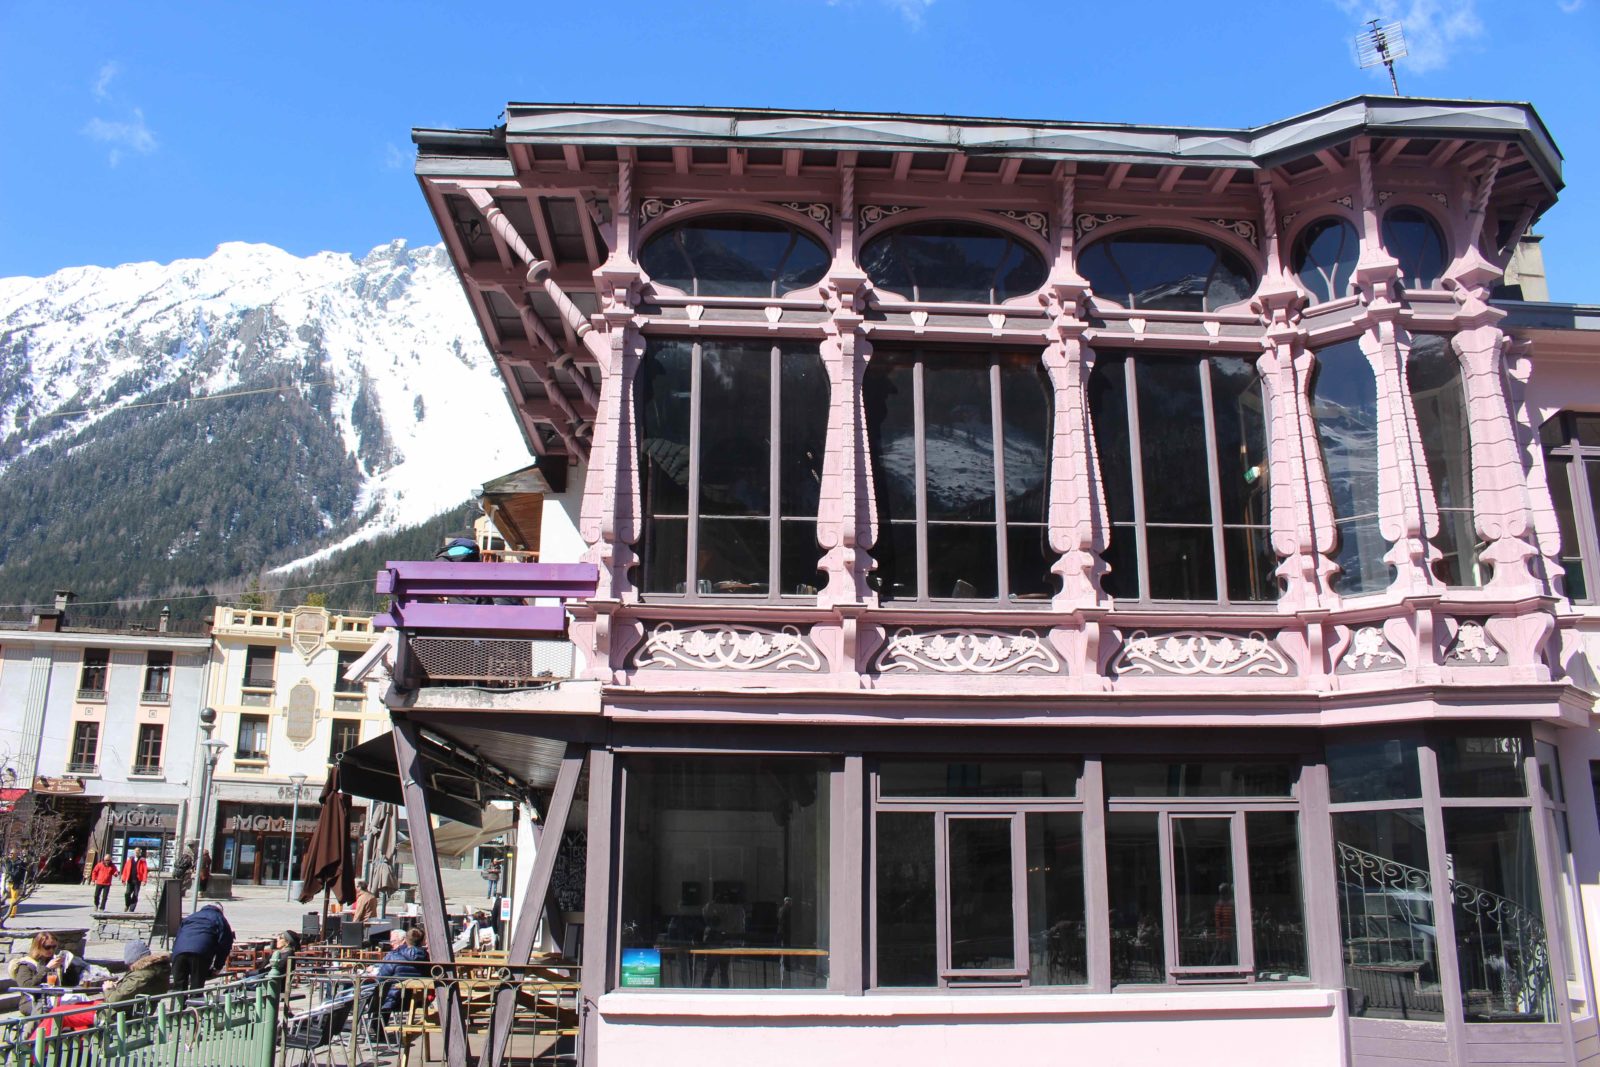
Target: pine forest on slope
x=170, y=430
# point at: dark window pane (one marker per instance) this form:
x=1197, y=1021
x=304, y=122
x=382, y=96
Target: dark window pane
x=1324, y=258
x=891, y=436
x=962, y=561
x=959, y=424
x=1057, y=941
x=1500, y=934
x=1413, y=238
x=1108, y=407
x=1277, y=909
x=1344, y=403
x=666, y=552
x=1166, y=270
x=732, y=556
x=1029, y=558
x=1025, y=405
x=988, y=778
x=981, y=933
x=1373, y=770
x=1231, y=779
x=1550, y=772
x=1172, y=443
x=1182, y=563
x=1202, y=876
x=896, y=556
x=803, y=421
x=952, y=261
x=1386, y=916
x=1558, y=472
x=1433, y=375
x=906, y=923
x=726, y=853
x=1133, y=877
x=1481, y=766
x=1122, y=556
x=1586, y=428
x=1251, y=562
x=735, y=429
x=797, y=563
x=1241, y=429
x=734, y=255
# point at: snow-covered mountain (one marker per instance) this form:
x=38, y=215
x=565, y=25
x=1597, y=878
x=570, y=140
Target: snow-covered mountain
x=395, y=400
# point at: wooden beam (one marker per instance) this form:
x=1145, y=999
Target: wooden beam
x=1441, y=155
x=1117, y=175
x=736, y=162
x=598, y=887
x=1330, y=160
x=1392, y=149
x=902, y=166
x=958, y=167
x=1009, y=169
x=791, y=162
x=412, y=777
x=570, y=152
x=536, y=899
x=1220, y=180
x=681, y=159
x=1169, y=178
x=541, y=229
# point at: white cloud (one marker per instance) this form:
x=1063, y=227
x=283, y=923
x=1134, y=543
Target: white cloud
x=910, y=10
x=1570, y=7
x=394, y=158
x=134, y=136
x=102, y=80
x=1435, y=30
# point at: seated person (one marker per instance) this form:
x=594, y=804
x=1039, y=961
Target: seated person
x=147, y=974
x=276, y=967
x=405, y=959
x=474, y=933
x=45, y=963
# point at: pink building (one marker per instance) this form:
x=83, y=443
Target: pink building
x=1060, y=592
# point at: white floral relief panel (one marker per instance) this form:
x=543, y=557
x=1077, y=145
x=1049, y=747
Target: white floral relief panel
x=959, y=651
x=1204, y=653
x=724, y=646
x=1370, y=651
x=1473, y=646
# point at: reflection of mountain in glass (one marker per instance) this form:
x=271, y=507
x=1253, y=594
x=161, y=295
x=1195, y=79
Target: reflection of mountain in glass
x=734, y=256
x=961, y=468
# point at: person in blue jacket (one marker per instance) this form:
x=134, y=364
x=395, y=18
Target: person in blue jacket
x=406, y=958
x=201, y=948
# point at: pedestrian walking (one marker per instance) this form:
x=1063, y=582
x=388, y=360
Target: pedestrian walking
x=491, y=874
x=102, y=875
x=200, y=950
x=135, y=873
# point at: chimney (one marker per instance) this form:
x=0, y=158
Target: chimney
x=63, y=598
x=166, y=618
x=51, y=621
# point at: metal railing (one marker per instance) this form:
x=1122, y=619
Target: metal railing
x=491, y=661
x=232, y=1024
x=83, y=768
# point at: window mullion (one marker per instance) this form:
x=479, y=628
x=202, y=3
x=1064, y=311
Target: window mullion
x=919, y=432
x=1096, y=890
x=1208, y=419
x=691, y=540
x=941, y=897
x=1023, y=958
x=1136, y=470
x=1243, y=934
x=1169, y=899
x=1003, y=578
x=774, y=450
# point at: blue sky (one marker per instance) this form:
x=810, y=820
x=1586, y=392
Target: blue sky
x=155, y=131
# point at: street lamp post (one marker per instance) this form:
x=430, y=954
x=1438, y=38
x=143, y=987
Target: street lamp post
x=294, y=826
x=213, y=747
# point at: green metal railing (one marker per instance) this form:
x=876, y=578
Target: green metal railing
x=231, y=1024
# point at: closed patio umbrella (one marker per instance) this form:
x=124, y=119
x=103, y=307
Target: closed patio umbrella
x=327, y=864
x=382, y=838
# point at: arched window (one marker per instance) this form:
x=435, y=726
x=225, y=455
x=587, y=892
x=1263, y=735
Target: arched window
x=732, y=435
x=1411, y=236
x=1344, y=402
x=1325, y=256
x=1166, y=270
x=960, y=467
x=1183, y=458
x=734, y=255
x=1433, y=374
x=948, y=262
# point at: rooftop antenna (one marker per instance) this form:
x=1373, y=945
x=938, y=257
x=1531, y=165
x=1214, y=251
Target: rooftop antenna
x=1384, y=44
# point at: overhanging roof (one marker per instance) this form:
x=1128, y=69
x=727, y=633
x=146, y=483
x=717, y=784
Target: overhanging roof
x=1245, y=148
x=457, y=783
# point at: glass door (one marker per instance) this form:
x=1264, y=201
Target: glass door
x=983, y=855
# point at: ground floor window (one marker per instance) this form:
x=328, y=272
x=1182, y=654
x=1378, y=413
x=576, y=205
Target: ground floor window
x=725, y=873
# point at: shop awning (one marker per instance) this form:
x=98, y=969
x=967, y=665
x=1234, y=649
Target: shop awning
x=458, y=784
x=9, y=798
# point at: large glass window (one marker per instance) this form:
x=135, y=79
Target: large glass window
x=1324, y=258
x=1433, y=374
x=85, y=748
x=732, y=436
x=147, y=755
x=1572, y=469
x=1183, y=458
x=157, y=675
x=1166, y=270
x=1344, y=403
x=734, y=255
x=960, y=447
x=978, y=874
x=952, y=261
x=92, y=675
x=1412, y=237
x=1501, y=945
x=1386, y=914
x=725, y=873
x=1203, y=872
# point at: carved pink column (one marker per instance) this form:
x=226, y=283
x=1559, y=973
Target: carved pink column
x=1542, y=512
x=1302, y=515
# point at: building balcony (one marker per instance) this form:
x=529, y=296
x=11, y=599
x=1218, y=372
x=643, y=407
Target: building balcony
x=97, y=696
x=155, y=696
x=145, y=770
x=83, y=770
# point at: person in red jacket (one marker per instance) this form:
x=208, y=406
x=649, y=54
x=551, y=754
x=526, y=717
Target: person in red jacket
x=135, y=873
x=102, y=875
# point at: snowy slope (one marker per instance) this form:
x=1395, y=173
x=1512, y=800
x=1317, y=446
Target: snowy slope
x=386, y=343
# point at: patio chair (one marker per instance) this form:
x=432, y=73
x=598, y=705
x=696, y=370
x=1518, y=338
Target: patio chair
x=316, y=1031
